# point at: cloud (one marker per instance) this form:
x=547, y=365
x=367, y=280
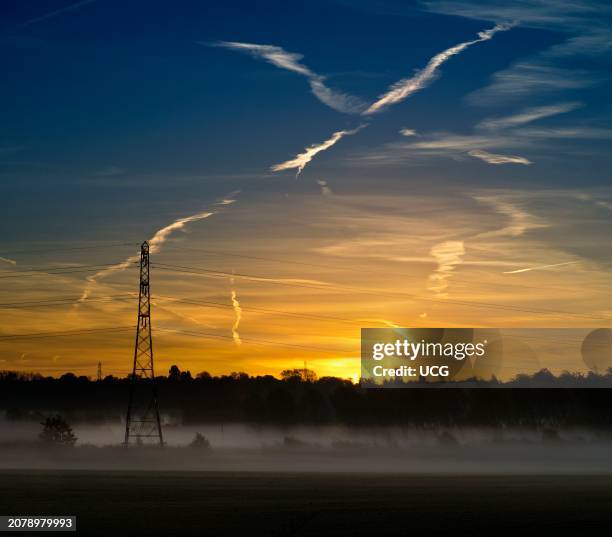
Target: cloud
x=458, y=142
x=237, y=313
x=448, y=254
x=162, y=235
x=57, y=12
x=534, y=13
x=519, y=223
x=528, y=78
x=503, y=133
x=604, y=204
x=540, y=267
x=155, y=244
x=302, y=159
x=586, y=25
x=343, y=102
x=7, y=260
x=408, y=132
x=528, y=115
x=290, y=61
x=494, y=158
x=227, y=201
x=587, y=133
x=325, y=190
x=406, y=87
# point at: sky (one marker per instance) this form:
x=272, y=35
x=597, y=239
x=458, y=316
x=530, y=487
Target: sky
x=303, y=170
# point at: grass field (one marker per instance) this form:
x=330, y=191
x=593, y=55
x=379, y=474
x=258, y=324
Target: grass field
x=213, y=504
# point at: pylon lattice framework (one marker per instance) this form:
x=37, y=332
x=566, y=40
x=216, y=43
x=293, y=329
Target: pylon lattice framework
x=142, y=422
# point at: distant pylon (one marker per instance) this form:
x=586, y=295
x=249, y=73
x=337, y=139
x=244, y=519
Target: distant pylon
x=99, y=371
x=142, y=423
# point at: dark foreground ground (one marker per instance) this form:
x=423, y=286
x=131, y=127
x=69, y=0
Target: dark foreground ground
x=216, y=504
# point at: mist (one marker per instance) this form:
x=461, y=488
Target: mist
x=343, y=449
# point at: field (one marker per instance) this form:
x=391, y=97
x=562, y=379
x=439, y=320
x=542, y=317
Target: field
x=224, y=503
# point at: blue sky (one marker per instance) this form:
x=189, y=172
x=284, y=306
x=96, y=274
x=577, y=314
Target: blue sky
x=119, y=118
x=126, y=87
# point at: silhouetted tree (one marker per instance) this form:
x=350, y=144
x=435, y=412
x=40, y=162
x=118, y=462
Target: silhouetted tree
x=57, y=431
x=305, y=375
x=186, y=376
x=200, y=442
x=174, y=373
x=259, y=399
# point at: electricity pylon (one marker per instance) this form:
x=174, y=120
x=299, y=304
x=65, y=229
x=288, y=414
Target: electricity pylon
x=99, y=372
x=142, y=422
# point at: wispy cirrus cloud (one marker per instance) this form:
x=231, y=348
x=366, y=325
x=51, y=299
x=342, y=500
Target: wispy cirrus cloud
x=302, y=159
x=528, y=115
x=325, y=190
x=533, y=135
x=55, y=13
x=291, y=61
x=448, y=255
x=604, y=204
x=528, y=78
x=402, y=89
x=519, y=220
x=490, y=135
x=533, y=13
x=495, y=158
x=585, y=25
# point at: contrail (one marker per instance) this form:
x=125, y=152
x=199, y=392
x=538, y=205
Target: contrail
x=496, y=158
x=52, y=14
x=540, y=267
x=301, y=160
x=155, y=244
x=7, y=260
x=238, y=313
x=406, y=87
x=291, y=62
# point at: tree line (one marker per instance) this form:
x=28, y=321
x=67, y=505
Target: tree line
x=299, y=397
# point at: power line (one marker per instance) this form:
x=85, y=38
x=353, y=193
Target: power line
x=244, y=256
x=46, y=269
x=255, y=341
x=64, y=301
x=256, y=309
x=60, y=302
x=326, y=286
x=41, y=250
x=52, y=271
x=67, y=333
x=349, y=269
x=323, y=287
